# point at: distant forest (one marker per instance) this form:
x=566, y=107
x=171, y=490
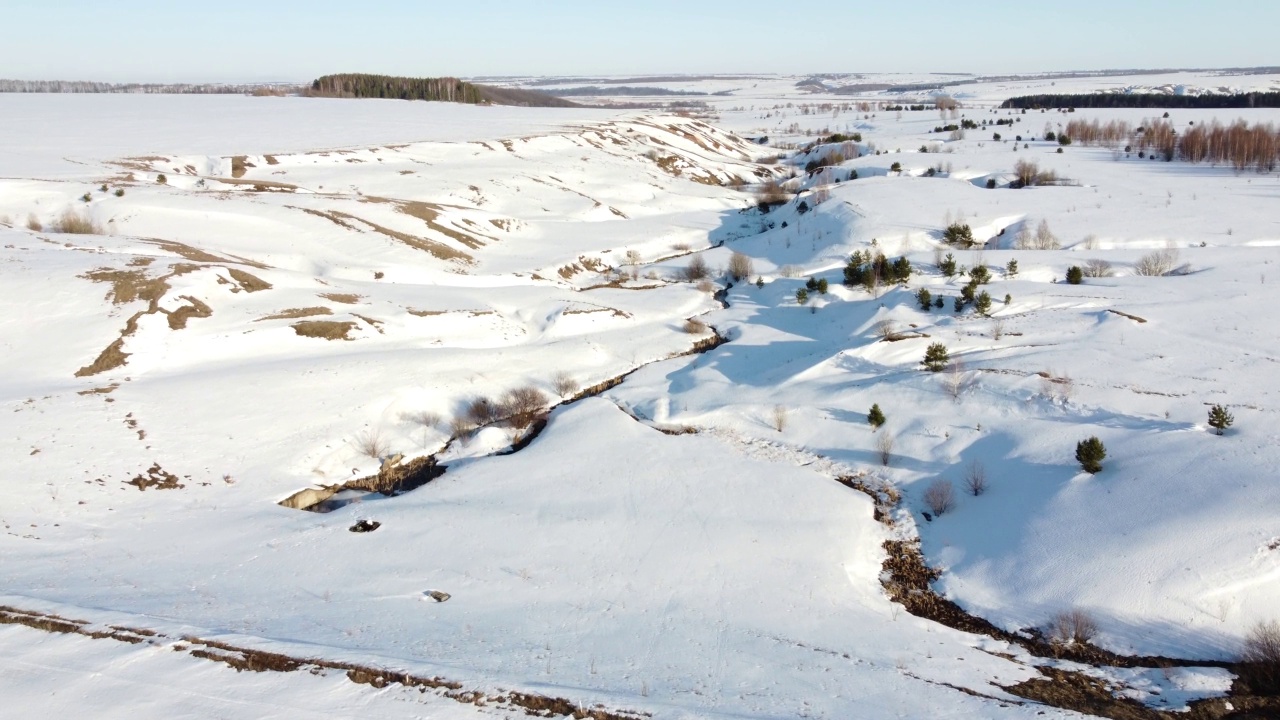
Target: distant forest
x=85, y=86
x=627, y=90
x=444, y=89
x=1145, y=100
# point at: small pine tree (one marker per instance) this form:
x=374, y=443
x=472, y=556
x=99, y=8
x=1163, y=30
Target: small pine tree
x=161, y=179
x=968, y=291
x=958, y=304
x=948, y=266
x=1008, y=298
x=875, y=417
x=958, y=233
x=940, y=302
x=1220, y=419
x=896, y=167
x=759, y=281
x=821, y=286
x=1090, y=454
x=925, y=298
x=980, y=275
x=983, y=303
x=901, y=270
x=802, y=296
x=1075, y=275
x=1011, y=270
x=936, y=357
x=811, y=283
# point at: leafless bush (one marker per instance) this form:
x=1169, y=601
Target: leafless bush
x=740, y=266
x=1097, y=269
x=74, y=223
x=1072, y=627
x=682, y=247
x=1042, y=239
x=1029, y=174
x=522, y=406
x=370, y=443
x=884, y=446
x=886, y=329
x=1261, y=657
x=696, y=269
x=1090, y=242
x=772, y=193
x=564, y=384
x=975, y=478
x=426, y=419
x=940, y=496
x=955, y=381
x=481, y=411
x=789, y=271
x=694, y=326
x=706, y=286
x=460, y=427
x=997, y=328
x=779, y=417
x=34, y=224
x=1156, y=263
x=1057, y=386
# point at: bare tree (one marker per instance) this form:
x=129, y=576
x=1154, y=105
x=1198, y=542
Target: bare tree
x=696, y=269
x=1097, y=269
x=884, y=446
x=955, y=381
x=740, y=266
x=886, y=329
x=522, y=406
x=975, y=478
x=940, y=496
x=997, y=328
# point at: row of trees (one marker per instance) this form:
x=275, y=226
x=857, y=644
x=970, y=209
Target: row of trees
x=85, y=86
x=1145, y=100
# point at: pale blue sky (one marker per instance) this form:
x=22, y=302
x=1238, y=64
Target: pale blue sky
x=237, y=40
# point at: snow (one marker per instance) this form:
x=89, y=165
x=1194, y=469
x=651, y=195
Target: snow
x=717, y=574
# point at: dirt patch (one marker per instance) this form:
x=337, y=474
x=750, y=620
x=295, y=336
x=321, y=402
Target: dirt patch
x=247, y=282
x=129, y=285
x=371, y=322
x=239, y=165
x=178, y=318
x=100, y=390
x=271, y=159
x=344, y=298
x=326, y=329
x=425, y=313
x=437, y=249
x=295, y=313
x=1134, y=318
x=112, y=357
x=156, y=477
x=430, y=214
x=259, y=185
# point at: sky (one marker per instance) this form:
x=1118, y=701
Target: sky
x=288, y=40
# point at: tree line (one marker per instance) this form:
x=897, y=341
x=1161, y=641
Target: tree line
x=440, y=89
x=86, y=86
x=1144, y=100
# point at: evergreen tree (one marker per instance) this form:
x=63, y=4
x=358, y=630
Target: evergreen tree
x=1090, y=454
x=983, y=303
x=980, y=275
x=1011, y=270
x=935, y=357
x=958, y=305
x=958, y=234
x=1075, y=275
x=1220, y=419
x=901, y=270
x=802, y=296
x=821, y=286
x=939, y=302
x=948, y=266
x=811, y=283
x=759, y=281
x=925, y=298
x=875, y=417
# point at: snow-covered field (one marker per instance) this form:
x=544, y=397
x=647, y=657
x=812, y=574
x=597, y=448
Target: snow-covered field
x=314, y=277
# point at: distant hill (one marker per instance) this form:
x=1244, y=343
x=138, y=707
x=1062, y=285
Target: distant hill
x=444, y=89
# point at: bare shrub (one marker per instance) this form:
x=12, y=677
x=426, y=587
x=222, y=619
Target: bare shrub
x=1156, y=263
x=1072, y=627
x=522, y=406
x=740, y=266
x=370, y=443
x=1057, y=386
x=940, y=496
x=884, y=446
x=706, y=286
x=426, y=419
x=955, y=381
x=1090, y=242
x=696, y=269
x=789, y=271
x=1098, y=269
x=886, y=329
x=772, y=193
x=34, y=224
x=74, y=223
x=1261, y=658
x=779, y=417
x=997, y=329
x=564, y=384
x=975, y=478
x=694, y=326
x=682, y=247
x=481, y=411
x=460, y=427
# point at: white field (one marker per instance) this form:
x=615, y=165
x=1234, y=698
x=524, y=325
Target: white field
x=722, y=574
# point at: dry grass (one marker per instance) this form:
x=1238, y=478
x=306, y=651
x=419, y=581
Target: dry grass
x=196, y=309
x=343, y=298
x=34, y=224
x=71, y=222
x=129, y=285
x=884, y=446
x=436, y=249
x=694, y=326
x=779, y=417
x=324, y=329
x=295, y=313
x=110, y=358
